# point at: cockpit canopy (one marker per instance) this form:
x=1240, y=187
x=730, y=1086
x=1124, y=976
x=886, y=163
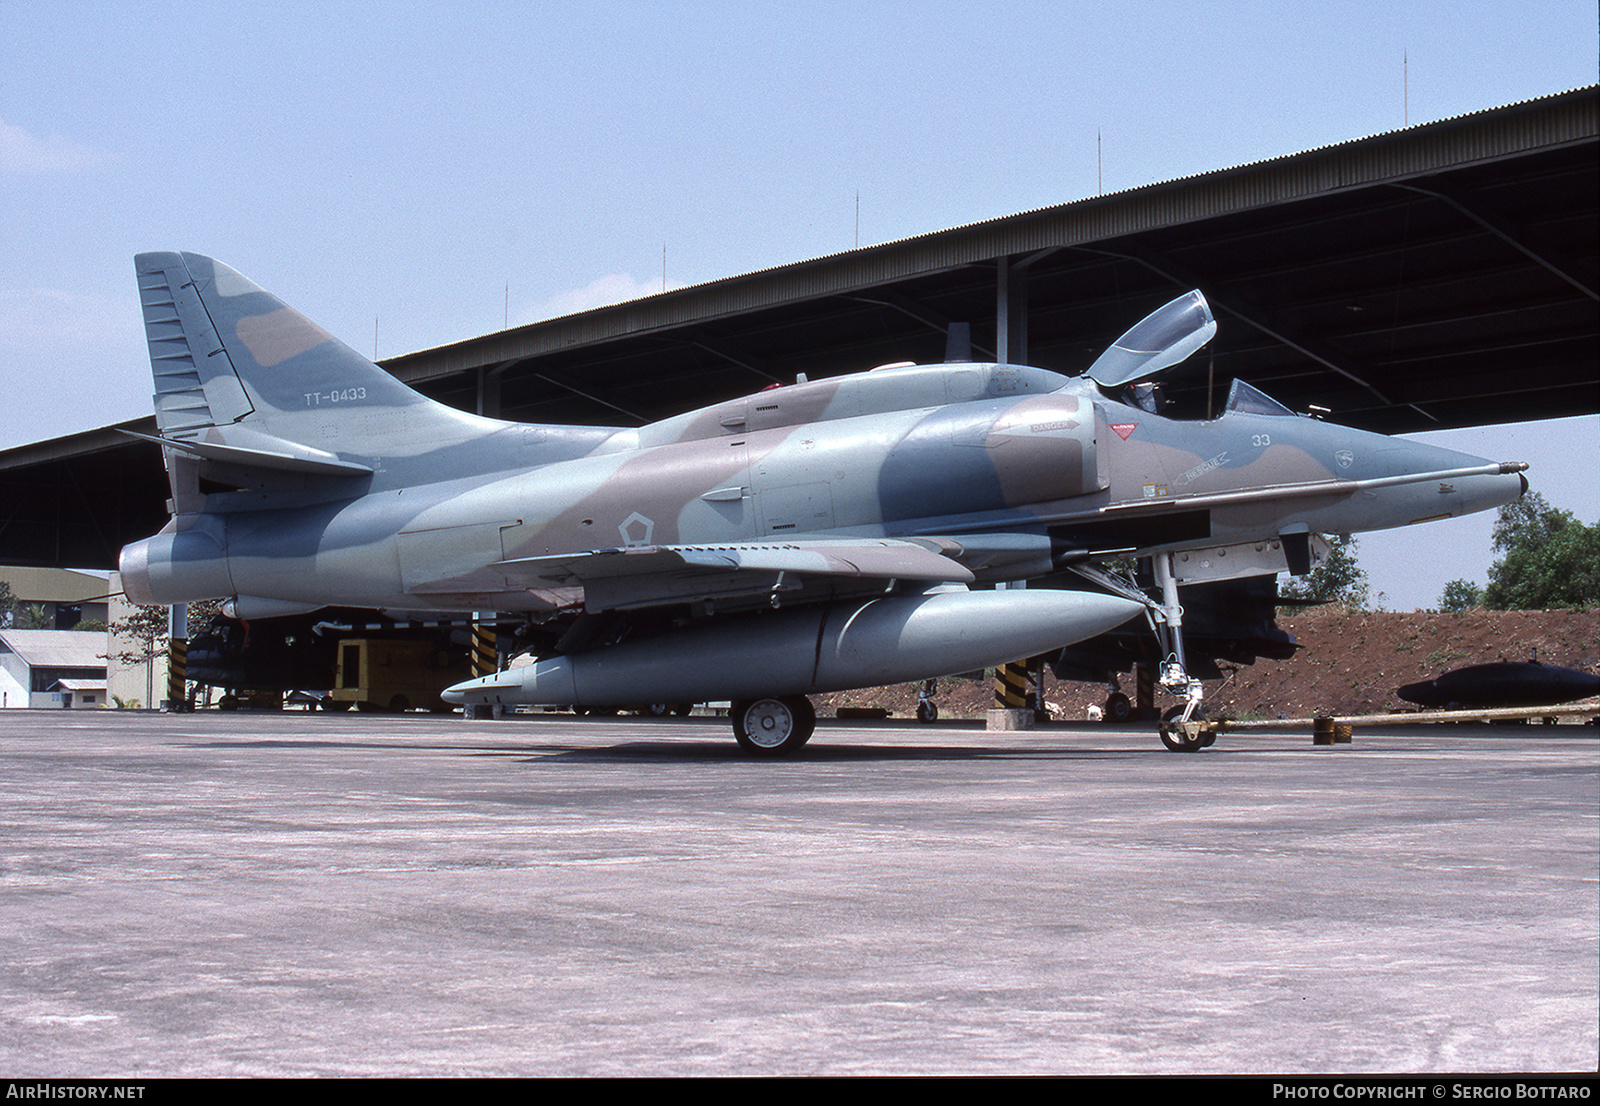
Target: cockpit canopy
x=1166, y=336
x=1243, y=398
x=1253, y=401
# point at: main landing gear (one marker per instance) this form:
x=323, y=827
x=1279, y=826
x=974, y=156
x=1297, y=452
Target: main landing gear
x=1118, y=708
x=773, y=727
x=927, y=709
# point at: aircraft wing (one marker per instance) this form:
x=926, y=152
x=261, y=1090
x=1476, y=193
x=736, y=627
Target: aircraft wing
x=644, y=576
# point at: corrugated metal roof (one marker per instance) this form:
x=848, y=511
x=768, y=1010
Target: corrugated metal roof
x=1419, y=150
x=57, y=648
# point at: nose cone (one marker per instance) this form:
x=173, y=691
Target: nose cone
x=1429, y=481
x=1488, y=490
x=546, y=681
x=484, y=691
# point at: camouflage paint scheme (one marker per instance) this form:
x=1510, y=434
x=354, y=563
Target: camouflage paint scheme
x=349, y=488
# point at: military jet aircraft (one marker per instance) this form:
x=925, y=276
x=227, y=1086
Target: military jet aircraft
x=847, y=532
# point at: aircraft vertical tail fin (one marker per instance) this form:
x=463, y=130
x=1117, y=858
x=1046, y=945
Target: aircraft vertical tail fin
x=224, y=350
x=243, y=381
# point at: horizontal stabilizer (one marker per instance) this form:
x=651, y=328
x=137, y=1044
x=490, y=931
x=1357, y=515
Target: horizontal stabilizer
x=290, y=457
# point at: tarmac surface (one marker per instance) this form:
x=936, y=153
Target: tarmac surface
x=300, y=894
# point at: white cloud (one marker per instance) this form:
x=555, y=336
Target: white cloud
x=600, y=292
x=23, y=152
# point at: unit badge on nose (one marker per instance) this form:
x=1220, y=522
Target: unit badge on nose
x=1345, y=458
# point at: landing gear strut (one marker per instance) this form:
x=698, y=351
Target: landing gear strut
x=1183, y=728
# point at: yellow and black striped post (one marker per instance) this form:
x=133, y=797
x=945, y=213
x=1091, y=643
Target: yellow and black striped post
x=177, y=673
x=177, y=656
x=485, y=658
x=1011, y=686
x=1144, y=689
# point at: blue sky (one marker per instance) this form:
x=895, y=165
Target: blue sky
x=393, y=169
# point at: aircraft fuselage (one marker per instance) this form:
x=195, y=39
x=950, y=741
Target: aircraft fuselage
x=1069, y=464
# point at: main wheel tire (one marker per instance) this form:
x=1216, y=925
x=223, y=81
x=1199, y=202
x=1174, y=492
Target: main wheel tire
x=773, y=727
x=1175, y=739
x=1118, y=708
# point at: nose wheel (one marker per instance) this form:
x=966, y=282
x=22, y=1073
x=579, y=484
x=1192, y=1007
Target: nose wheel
x=773, y=727
x=1186, y=735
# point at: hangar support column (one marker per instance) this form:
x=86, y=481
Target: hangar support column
x=489, y=389
x=1011, y=312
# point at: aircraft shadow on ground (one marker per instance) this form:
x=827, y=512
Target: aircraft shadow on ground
x=684, y=751
x=694, y=750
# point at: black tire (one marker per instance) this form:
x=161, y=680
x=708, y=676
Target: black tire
x=927, y=711
x=1178, y=741
x=1118, y=708
x=773, y=727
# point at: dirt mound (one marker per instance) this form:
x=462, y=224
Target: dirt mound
x=1349, y=662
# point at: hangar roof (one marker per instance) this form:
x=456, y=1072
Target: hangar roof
x=1438, y=276
x=1392, y=279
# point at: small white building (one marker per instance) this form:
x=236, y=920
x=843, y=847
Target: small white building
x=81, y=693
x=52, y=668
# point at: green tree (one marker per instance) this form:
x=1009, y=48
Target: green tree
x=145, y=630
x=31, y=616
x=21, y=616
x=1460, y=595
x=1550, y=559
x=1337, y=578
